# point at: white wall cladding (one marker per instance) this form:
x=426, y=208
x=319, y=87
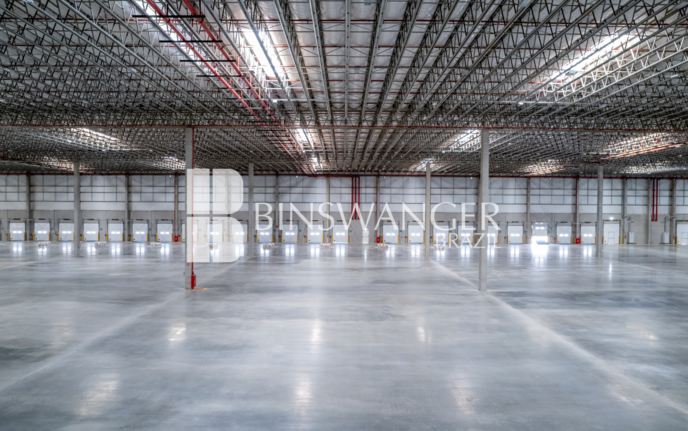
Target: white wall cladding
x=12, y=192
x=156, y=193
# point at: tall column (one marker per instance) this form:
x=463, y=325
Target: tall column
x=29, y=212
x=276, y=210
x=188, y=205
x=624, y=210
x=127, y=208
x=327, y=199
x=484, y=195
x=77, y=210
x=428, y=225
x=529, y=225
x=600, y=211
x=672, y=213
x=175, y=230
x=650, y=196
x=251, y=221
x=576, y=227
x=377, y=204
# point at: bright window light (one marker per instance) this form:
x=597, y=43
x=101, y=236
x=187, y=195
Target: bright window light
x=252, y=41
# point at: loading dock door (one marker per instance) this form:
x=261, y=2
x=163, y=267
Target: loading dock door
x=390, y=234
x=440, y=233
x=340, y=235
x=239, y=232
x=587, y=234
x=290, y=233
x=42, y=231
x=91, y=231
x=140, y=232
x=416, y=234
x=540, y=234
x=17, y=231
x=611, y=233
x=564, y=235
x=515, y=234
x=215, y=233
x=492, y=235
x=315, y=234
x=682, y=233
x=115, y=231
x=165, y=232
x=66, y=231
x=466, y=235
x=183, y=232
x=264, y=236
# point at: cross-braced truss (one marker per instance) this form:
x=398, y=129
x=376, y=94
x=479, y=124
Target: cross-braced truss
x=345, y=86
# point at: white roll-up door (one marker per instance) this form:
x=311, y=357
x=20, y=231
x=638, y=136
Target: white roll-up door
x=42, y=231
x=515, y=234
x=165, y=232
x=66, y=231
x=115, y=231
x=416, y=234
x=466, y=234
x=390, y=235
x=340, y=235
x=315, y=233
x=290, y=233
x=140, y=231
x=564, y=234
x=587, y=234
x=17, y=231
x=91, y=230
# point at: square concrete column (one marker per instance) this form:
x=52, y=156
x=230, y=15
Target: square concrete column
x=672, y=214
x=29, y=212
x=276, y=209
x=127, y=208
x=188, y=198
x=251, y=216
x=428, y=225
x=175, y=230
x=327, y=199
x=529, y=226
x=484, y=195
x=624, y=209
x=600, y=211
x=650, y=197
x=76, y=251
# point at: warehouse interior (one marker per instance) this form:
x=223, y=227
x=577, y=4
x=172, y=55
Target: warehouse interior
x=343, y=214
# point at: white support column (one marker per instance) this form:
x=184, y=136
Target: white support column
x=175, y=230
x=251, y=216
x=29, y=212
x=77, y=210
x=650, y=196
x=327, y=199
x=577, y=225
x=600, y=211
x=624, y=209
x=529, y=226
x=188, y=198
x=428, y=225
x=276, y=209
x=127, y=208
x=672, y=214
x=484, y=195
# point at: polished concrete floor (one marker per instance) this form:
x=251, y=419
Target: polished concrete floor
x=350, y=338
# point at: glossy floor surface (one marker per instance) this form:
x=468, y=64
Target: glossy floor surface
x=350, y=338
